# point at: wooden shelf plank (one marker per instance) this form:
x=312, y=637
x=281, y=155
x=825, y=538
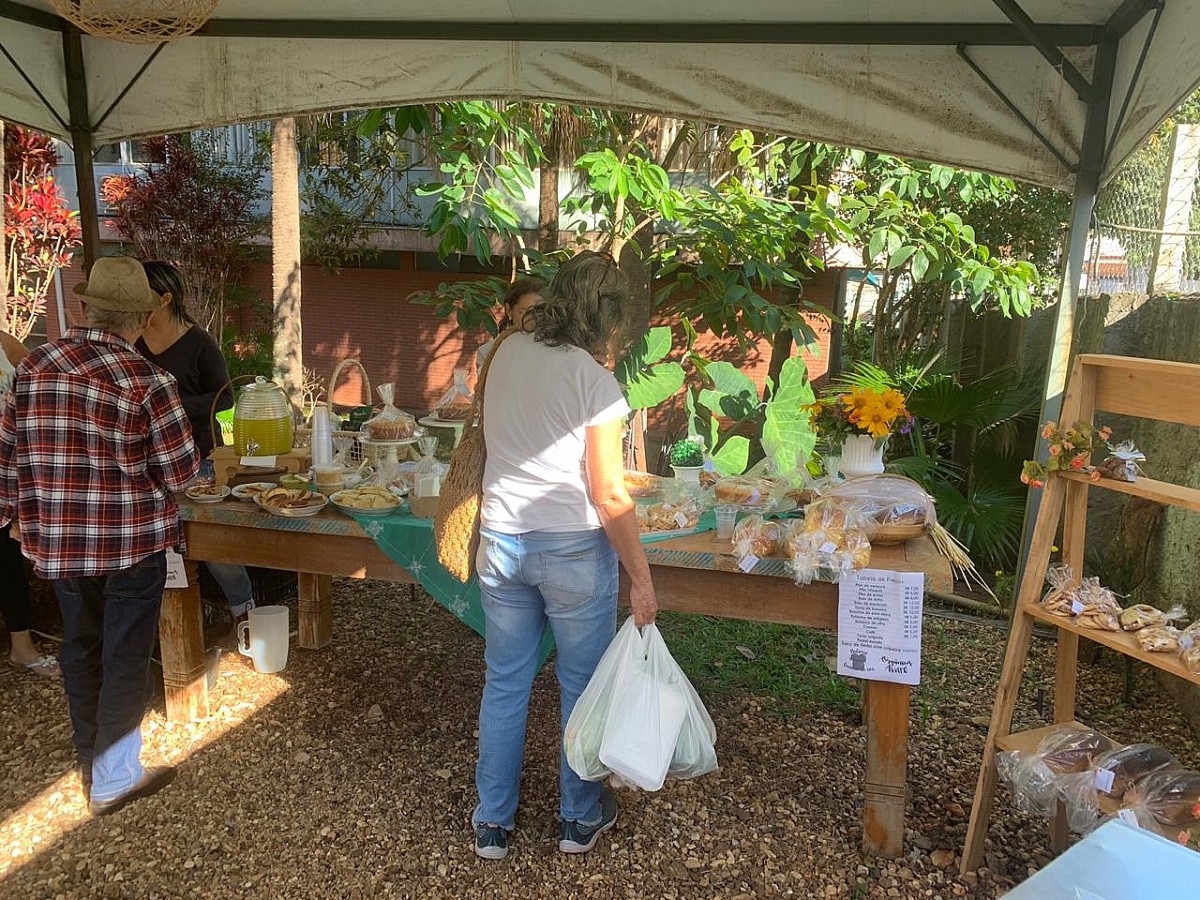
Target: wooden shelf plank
x=1146, y=388
x=1121, y=641
x=1027, y=741
x=1159, y=491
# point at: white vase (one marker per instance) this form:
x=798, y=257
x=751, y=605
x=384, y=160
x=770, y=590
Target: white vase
x=688, y=473
x=862, y=455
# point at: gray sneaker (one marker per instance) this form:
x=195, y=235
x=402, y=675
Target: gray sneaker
x=575, y=837
x=491, y=842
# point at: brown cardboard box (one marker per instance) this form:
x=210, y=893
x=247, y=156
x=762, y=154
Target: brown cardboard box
x=227, y=464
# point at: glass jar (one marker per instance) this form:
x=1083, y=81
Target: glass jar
x=262, y=420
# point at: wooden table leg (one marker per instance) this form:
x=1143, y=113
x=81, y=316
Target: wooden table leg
x=181, y=639
x=316, y=610
x=885, y=713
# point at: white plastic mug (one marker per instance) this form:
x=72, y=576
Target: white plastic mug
x=264, y=638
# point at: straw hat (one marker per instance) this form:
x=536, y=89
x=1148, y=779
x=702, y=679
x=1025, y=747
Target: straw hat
x=119, y=283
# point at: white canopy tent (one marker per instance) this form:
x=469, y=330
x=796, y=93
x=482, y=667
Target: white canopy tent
x=1056, y=92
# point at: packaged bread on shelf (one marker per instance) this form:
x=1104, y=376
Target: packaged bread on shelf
x=1159, y=639
x=1142, y=615
x=756, y=536
x=1061, y=596
x=1189, y=648
x=1031, y=777
x=1165, y=801
x=1111, y=775
x=1095, y=606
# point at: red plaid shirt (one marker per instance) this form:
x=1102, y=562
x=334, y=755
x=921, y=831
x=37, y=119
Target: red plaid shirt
x=92, y=442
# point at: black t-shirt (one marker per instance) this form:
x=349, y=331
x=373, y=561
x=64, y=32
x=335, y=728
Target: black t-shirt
x=198, y=366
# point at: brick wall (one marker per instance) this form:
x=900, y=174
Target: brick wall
x=365, y=314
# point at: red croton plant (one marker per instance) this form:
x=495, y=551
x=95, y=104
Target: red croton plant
x=40, y=230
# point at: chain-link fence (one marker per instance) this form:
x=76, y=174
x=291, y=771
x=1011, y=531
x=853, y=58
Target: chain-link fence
x=1129, y=247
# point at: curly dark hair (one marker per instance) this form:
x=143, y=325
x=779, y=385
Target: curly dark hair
x=584, y=305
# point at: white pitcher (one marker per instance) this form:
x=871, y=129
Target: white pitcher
x=264, y=638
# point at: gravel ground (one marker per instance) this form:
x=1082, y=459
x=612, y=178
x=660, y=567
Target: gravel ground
x=350, y=775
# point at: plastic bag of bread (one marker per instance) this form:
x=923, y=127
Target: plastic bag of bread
x=1032, y=776
x=669, y=515
x=1166, y=801
x=888, y=500
x=1061, y=596
x=1189, y=656
x=455, y=404
x=1143, y=615
x=643, y=484
x=756, y=536
x=1159, y=639
x=741, y=490
x=1095, y=606
x=830, y=542
x=391, y=423
x=1112, y=774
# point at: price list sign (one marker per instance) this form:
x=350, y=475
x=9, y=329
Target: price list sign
x=879, y=625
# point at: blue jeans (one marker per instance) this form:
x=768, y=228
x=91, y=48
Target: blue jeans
x=110, y=623
x=234, y=582
x=566, y=579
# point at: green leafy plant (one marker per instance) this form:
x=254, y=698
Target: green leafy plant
x=645, y=374
x=687, y=453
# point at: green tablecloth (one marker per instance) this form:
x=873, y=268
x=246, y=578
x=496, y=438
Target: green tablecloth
x=408, y=542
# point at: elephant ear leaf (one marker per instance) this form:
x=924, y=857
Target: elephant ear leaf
x=645, y=383
x=787, y=436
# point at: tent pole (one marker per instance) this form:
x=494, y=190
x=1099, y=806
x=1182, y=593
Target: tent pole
x=1087, y=185
x=81, y=145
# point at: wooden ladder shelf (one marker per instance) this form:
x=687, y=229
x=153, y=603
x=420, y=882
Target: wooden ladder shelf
x=1145, y=388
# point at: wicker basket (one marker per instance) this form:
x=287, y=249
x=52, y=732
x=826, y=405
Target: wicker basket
x=354, y=454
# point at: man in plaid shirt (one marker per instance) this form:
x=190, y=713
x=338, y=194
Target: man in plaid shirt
x=92, y=444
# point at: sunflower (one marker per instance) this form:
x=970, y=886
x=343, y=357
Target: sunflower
x=893, y=402
x=857, y=398
x=874, y=419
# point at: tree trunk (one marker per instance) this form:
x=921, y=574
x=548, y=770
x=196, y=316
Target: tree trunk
x=285, y=257
x=548, y=208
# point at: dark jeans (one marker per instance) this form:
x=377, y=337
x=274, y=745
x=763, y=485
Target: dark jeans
x=110, y=622
x=14, y=588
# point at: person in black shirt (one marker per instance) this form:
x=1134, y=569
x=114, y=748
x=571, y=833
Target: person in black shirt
x=174, y=342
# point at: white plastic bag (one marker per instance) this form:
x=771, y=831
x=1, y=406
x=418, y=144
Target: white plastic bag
x=639, y=717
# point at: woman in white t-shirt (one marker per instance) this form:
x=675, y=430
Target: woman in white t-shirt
x=556, y=518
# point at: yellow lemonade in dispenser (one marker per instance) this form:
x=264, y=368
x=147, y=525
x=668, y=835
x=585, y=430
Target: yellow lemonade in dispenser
x=262, y=420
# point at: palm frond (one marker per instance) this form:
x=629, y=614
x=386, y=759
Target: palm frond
x=987, y=519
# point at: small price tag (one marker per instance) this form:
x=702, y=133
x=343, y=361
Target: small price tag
x=747, y=563
x=1127, y=815
x=828, y=547
x=259, y=462
x=1076, y=607
x=681, y=519
x=1104, y=780
x=176, y=573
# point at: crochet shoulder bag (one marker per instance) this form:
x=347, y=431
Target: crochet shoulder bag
x=456, y=522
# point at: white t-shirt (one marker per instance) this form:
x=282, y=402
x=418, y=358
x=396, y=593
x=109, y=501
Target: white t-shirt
x=537, y=403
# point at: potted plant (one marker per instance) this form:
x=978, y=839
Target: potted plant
x=687, y=459
x=857, y=424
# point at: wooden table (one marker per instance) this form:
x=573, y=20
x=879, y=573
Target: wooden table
x=692, y=574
